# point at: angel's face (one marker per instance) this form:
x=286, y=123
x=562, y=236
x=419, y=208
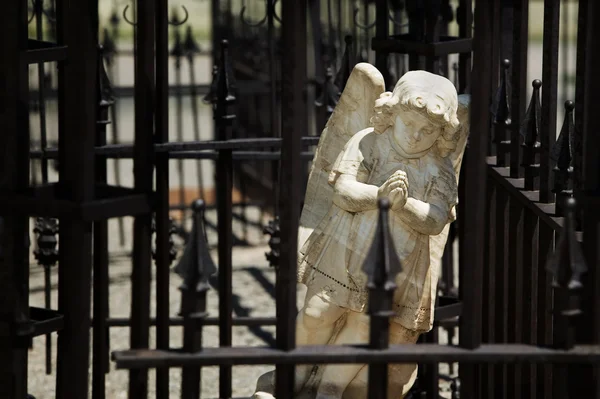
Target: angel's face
x=414, y=132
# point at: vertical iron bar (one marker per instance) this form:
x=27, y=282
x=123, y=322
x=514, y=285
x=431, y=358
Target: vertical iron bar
x=177, y=53
x=501, y=287
x=590, y=331
x=101, y=261
x=580, y=90
x=381, y=33
x=489, y=287
x=515, y=292
x=294, y=115
x=161, y=135
x=473, y=222
x=78, y=29
x=224, y=189
x=544, y=314
x=530, y=303
x=273, y=118
x=143, y=163
x=14, y=172
x=549, y=94
x=464, y=59
x=518, y=81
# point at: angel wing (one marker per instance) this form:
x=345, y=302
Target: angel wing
x=351, y=115
x=438, y=243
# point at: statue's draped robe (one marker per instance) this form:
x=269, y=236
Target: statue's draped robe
x=331, y=260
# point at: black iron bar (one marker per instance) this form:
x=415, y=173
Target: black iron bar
x=143, y=163
x=549, y=94
x=584, y=381
x=530, y=302
x=126, y=150
x=381, y=33
x=209, y=321
x=224, y=117
x=101, y=256
x=472, y=223
x=177, y=53
x=39, y=8
x=163, y=259
x=489, y=287
x=465, y=31
x=293, y=116
x=336, y=354
x=77, y=127
x=192, y=49
x=518, y=81
x=501, y=278
x=544, y=315
x=14, y=169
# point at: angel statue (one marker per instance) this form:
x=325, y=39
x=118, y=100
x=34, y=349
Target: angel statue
x=406, y=145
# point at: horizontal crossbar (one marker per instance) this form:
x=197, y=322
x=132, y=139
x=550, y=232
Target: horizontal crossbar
x=422, y=353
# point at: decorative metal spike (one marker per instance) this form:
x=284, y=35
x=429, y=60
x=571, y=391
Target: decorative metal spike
x=226, y=86
x=501, y=109
x=382, y=264
x=105, y=90
x=177, y=51
x=562, y=151
x=109, y=47
x=196, y=265
x=272, y=229
x=330, y=94
x=114, y=19
x=190, y=46
x=348, y=62
x=47, y=252
x=567, y=265
x=211, y=96
x=530, y=128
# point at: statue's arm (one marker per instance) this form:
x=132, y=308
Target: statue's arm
x=354, y=196
x=425, y=217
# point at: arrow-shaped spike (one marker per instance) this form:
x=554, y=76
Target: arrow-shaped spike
x=562, y=150
x=211, y=96
x=567, y=263
x=105, y=90
x=530, y=128
x=226, y=82
x=382, y=263
x=196, y=265
x=177, y=51
x=190, y=46
x=501, y=109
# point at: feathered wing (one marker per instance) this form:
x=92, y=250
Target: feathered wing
x=351, y=115
x=438, y=243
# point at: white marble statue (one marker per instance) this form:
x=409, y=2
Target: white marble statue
x=406, y=145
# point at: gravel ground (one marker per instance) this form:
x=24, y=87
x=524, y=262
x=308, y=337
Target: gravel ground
x=253, y=286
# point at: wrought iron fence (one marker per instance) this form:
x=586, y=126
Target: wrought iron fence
x=526, y=303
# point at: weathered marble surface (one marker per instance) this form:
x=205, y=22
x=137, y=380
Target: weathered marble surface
x=406, y=145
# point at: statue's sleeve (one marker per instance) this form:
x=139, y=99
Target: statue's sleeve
x=351, y=159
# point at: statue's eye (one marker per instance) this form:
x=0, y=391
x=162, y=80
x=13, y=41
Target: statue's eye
x=427, y=130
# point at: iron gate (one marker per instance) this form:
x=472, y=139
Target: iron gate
x=526, y=304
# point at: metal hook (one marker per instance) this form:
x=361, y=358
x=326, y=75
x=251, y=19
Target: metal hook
x=361, y=26
x=393, y=20
x=172, y=22
x=264, y=19
x=248, y=23
x=35, y=4
x=125, y=16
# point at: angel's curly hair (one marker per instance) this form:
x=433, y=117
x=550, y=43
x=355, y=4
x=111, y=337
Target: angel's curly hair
x=431, y=95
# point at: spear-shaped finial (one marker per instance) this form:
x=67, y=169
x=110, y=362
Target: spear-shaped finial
x=226, y=86
x=348, y=62
x=196, y=265
x=105, y=91
x=211, y=96
x=501, y=109
x=177, y=51
x=382, y=265
x=530, y=130
x=562, y=154
x=190, y=46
